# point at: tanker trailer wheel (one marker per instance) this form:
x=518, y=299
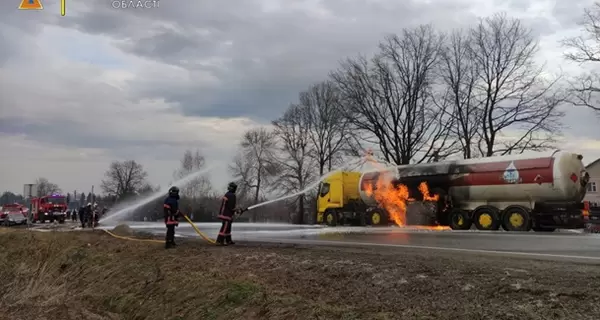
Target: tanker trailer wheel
x=377, y=218
x=486, y=218
x=459, y=220
x=516, y=218
x=331, y=218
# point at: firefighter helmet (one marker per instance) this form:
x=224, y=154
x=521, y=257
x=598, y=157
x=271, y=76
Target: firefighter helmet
x=232, y=187
x=174, y=190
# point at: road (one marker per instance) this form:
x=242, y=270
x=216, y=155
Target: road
x=563, y=245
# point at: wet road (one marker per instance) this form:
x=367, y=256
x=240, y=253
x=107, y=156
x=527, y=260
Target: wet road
x=558, y=245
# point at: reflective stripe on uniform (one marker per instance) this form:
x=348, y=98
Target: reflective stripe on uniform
x=223, y=228
x=223, y=205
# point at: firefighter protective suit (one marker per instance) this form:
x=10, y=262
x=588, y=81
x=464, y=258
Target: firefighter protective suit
x=171, y=214
x=226, y=215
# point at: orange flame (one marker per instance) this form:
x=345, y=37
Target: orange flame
x=424, y=188
x=394, y=199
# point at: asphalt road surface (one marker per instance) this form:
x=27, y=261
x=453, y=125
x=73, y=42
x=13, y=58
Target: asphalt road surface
x=564, y=245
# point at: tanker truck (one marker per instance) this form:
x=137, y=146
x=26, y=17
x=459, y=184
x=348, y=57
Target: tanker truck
x=517, y=193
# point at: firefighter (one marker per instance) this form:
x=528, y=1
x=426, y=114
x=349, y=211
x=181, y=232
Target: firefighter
x=226, y=215
x=83, y=212
x=88, y=212
x=171, y=213
x=96, y=215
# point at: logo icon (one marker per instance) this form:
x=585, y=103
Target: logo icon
x=31, y=5
x=511, y=174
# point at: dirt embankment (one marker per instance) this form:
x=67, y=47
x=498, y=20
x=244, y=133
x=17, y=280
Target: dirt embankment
x=85, y=275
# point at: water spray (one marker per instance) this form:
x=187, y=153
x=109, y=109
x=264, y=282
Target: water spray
x=355, y=164
x=137, y=204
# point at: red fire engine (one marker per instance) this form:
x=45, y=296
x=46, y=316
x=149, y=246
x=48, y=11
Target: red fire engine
x=49, y=208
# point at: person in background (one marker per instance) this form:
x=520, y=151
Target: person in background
x=74, y=214
x=171, y=215
x=95, y=215
x=83, y=214
x=226, y=215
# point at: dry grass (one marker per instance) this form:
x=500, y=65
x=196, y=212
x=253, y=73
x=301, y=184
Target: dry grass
x=90, y=275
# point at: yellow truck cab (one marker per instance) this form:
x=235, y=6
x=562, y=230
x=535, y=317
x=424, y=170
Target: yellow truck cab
x=339, y=201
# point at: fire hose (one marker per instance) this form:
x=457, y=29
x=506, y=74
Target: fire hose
x=202, y=235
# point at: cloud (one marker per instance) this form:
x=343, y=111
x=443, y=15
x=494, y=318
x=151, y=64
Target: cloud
x=102, y=83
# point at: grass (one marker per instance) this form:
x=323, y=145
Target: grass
x=84, y=275
x=90, y=275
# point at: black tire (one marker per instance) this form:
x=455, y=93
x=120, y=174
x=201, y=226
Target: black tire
x=487, y=218
x=361, y=220
x=330, y=217
x=516, y=218
x=543, y=229
x=459, y=220
x=377, y=218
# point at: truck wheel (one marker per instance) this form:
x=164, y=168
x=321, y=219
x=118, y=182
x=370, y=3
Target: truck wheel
x=459, y=220
x=486, y=218
x=377, y=218
x=331, y=218
x=516, y=218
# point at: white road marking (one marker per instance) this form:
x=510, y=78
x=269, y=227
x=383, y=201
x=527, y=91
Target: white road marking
x=408, y=246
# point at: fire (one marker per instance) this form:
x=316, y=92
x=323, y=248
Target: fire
x=394, y=199
x=425, y=192
x=391, y=198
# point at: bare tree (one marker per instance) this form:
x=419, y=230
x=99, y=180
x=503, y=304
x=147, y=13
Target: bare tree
x=192, y=162
x=391, y=102
x=296, y=165
x=45, y=187
x=518, y=105
x=328, y=127
x=585, y=49
x=460, y=73
x=253, y=166
x=124, y=178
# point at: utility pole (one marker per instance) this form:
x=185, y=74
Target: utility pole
x=28, y=190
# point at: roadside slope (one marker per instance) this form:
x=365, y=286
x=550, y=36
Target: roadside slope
x=90, y=275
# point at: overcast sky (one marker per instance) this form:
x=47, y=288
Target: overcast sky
x=105, y=84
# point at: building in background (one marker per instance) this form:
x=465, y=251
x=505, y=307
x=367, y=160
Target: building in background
x=593, y=187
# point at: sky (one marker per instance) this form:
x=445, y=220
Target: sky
x=103, y=83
